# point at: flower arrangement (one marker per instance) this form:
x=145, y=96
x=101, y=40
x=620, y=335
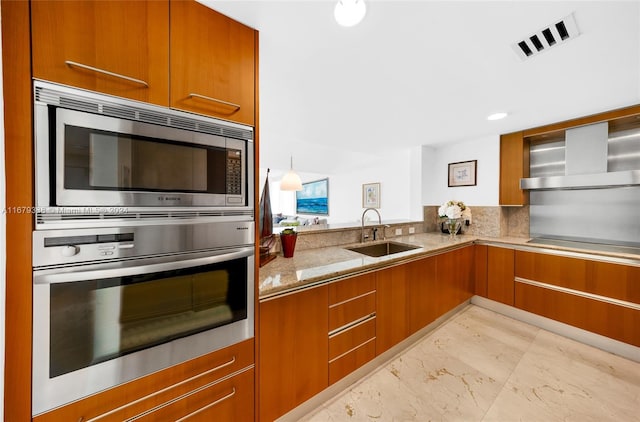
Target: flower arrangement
x=454, y=210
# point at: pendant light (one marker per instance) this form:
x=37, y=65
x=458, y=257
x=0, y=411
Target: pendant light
x=291, y=181
x=349, y=12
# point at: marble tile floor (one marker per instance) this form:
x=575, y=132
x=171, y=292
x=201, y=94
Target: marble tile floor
x=482, y=366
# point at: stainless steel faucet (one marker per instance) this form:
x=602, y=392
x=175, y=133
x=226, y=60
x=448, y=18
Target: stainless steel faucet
x=362, y=237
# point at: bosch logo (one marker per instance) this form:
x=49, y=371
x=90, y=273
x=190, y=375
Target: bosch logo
x=242, y=228
x=169, y=198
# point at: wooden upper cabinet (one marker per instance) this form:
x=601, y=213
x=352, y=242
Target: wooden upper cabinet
x=212, y=63
x=114, y=47
x=514, y=165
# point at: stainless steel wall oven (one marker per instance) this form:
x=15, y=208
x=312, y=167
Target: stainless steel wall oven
x=101, y=158
x=143, y=253
x=114, y=304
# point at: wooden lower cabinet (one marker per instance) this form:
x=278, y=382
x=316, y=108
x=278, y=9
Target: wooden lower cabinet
x=500, y=274
x=293, y=352
x=392, y=322
x=454, y=272
x=480, y=269
x=413, y=295
x=220, y=383
x=422, y=291
x=600, y=297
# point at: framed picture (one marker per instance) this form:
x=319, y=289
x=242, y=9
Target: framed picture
x=463, y=173
x=371, y=195
x=313, y=198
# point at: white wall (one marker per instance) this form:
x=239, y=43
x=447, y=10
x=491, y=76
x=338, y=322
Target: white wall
x=435, y=162
x=398, y=173
x=409, y=179
x=392, y=170
x=415, y=183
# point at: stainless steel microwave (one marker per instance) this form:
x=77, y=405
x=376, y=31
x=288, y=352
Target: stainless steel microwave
x=101, y=156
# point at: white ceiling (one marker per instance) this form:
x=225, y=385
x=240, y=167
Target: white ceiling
x=427, y=73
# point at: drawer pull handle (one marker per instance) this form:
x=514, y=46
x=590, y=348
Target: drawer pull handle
x=215, y=100
x=202, y=409
x=106, y=72
x=587, y=295
x=155, y=393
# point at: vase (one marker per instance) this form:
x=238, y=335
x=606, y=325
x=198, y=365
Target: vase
x=453, y=225
x=288, y=244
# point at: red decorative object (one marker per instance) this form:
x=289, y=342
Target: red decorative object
x=288, y=241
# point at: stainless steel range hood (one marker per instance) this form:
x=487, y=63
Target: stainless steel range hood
x=583, y=181
x=586, y=155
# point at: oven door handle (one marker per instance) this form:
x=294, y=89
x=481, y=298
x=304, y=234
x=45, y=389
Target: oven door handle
x=82, y=273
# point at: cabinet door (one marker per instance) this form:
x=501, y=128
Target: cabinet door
x=293, y=350
x=422, y=293
x=514, y=165
x=115, y=47
x=392, y=325
x=212, y=63
x=455, y=279
x=480, y=269
x=500, y=274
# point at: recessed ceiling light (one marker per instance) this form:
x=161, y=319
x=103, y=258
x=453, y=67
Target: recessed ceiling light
x=497, y=116
x=349, y=12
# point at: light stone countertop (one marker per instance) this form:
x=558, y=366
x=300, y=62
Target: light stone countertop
x=316, y=266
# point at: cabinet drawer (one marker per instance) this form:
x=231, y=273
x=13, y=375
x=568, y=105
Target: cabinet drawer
x=230, y=399
x=600, y=278
x=343, y=290
x=349, y=362
x=344, y=313
x=351, y=338
x=608, y=319
x=148, y=392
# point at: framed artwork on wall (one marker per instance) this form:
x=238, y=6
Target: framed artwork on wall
x=371, y=195
x=313, y=198
x=463, y=173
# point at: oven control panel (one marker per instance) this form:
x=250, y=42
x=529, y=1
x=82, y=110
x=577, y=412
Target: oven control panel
x=76, y=246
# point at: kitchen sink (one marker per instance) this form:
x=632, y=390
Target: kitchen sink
x=383, y=249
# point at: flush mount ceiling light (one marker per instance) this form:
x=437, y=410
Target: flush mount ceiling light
x=349, y=12
x=291, y=181
x=497, y=116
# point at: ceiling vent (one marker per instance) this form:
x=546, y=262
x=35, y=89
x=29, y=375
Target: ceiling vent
x=553, y=35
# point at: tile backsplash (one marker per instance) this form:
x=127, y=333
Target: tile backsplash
x=325, y=237
x=486, y=221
